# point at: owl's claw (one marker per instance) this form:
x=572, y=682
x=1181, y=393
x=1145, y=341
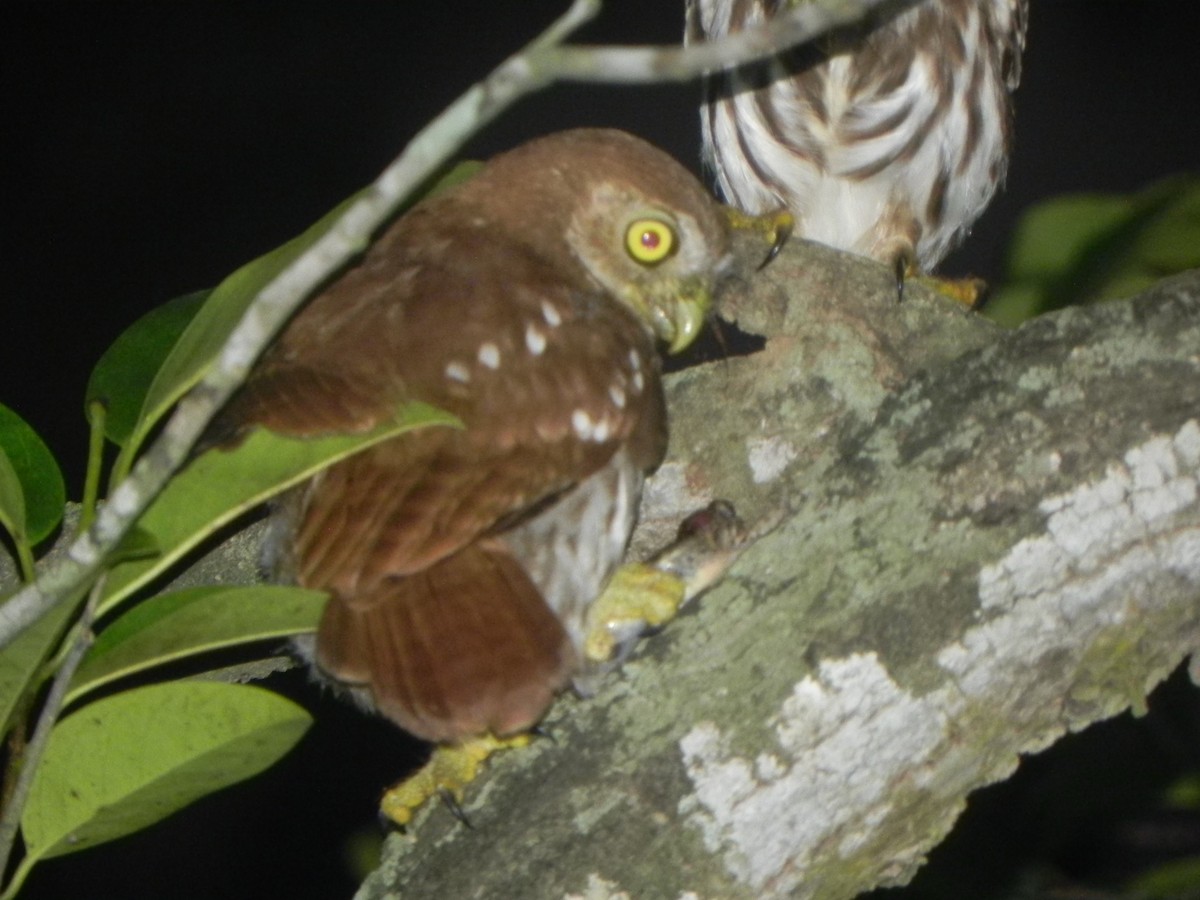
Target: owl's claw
x=639, y=596
x=776, y=227
x=648, y=595
x=450, y=769
x=970, y=292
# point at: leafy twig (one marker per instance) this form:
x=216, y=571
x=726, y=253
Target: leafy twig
x=539, y=64
x=10, y=820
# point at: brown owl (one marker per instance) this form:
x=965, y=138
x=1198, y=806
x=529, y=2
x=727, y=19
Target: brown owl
x=887, y=140
x=528, y=302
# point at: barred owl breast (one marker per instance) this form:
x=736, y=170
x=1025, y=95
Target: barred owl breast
x=886, y=141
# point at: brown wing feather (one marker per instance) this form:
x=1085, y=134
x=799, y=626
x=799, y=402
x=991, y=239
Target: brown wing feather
x=548, y=377
x=523, y=362
x=463, y=647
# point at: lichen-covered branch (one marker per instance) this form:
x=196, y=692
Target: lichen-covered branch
x=988, y=539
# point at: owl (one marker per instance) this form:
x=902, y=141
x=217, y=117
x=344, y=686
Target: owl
x=530, y=302
x=887, y=140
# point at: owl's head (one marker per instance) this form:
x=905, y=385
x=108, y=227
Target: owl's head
x=637, y=223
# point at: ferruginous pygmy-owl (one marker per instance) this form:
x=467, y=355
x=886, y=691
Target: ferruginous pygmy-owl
x=886, y=141
x=527, y=302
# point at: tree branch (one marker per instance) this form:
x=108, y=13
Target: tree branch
x=989, y=538
x=541, y=63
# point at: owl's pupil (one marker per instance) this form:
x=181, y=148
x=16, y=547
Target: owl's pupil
x=651, y=240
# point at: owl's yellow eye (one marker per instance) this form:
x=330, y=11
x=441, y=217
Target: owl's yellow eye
x=650, y=241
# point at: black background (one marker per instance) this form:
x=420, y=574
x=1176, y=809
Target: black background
x=150, y=149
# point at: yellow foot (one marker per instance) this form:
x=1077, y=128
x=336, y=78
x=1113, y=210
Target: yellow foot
x=448, y=772
x=775, y=227
x=647, y=595
x=638, y=596
x=970, y=292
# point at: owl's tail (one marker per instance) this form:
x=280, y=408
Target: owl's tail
x=461, y=648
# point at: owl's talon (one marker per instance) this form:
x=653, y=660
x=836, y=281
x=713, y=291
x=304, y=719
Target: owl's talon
x=446, y=775
x=970, y=292
x=644, y=596
x=455, y=807
x=638, y=596
x=776, y=227
x=903, y=269
x=540, y=731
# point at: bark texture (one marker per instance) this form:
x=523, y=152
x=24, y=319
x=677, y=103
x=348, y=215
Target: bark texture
x=981, y=540
x=984, y=539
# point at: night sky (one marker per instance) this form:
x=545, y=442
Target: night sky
x=154, y=147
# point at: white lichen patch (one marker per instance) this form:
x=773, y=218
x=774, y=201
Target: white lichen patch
x=600, y=888
x=1058, y=588
x=769, y=456
x=842, y=738
x=851, y=741
x=1088, y=526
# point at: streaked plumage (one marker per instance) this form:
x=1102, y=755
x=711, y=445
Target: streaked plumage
x=888, y=142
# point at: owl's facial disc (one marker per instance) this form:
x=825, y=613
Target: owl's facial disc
x=661, y=263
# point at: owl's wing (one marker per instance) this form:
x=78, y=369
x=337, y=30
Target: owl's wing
x=548, y=376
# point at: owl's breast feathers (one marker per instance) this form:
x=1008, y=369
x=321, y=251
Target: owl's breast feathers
x=431, y=608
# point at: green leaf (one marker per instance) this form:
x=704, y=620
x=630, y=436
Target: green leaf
x=1089, y=248
x=12, y=500
x=127, y=761
x=122, y=377
x=171, y=626
x=21, y=661
x=36, y=470
x=458, y=173
x=201, y=341
x=1179, y=878
x=221, y=484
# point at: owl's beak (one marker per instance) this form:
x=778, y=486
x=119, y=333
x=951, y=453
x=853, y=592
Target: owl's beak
x=688, y=314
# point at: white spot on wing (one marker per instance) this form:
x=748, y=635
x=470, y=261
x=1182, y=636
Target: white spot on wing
x=582, y=423
x=456, y=371
x=617, y=394
x=588, y=429
x=534, y=340
x=550, y=314
x=638, y=382
x=489, y=355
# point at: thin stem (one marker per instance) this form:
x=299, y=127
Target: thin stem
x=11, y=819
x=97, y=417
x=638, y=65
x=25, y=560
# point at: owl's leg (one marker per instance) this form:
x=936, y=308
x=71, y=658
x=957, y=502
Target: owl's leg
x=648, y=595
x=447, y=773
x=639, y=596
x=897, y=245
